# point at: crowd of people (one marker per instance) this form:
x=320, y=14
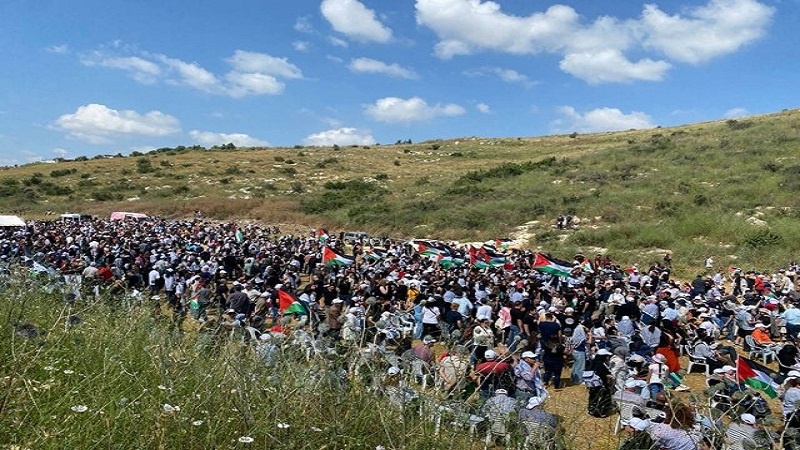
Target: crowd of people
x=514, y=332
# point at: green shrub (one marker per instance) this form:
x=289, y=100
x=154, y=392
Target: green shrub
x=761, y=238
x=143, y=165
x=62, y=172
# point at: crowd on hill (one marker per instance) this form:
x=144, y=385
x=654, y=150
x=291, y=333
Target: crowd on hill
x=512, y=328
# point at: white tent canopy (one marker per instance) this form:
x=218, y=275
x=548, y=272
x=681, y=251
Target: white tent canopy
x=11, y=221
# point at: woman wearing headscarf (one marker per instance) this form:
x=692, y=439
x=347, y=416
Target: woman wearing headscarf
x=600, y=400
x=618, y=367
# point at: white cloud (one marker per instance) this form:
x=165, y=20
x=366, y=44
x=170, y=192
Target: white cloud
x=368, y=65
x=599, y=120
x=252, y=62
x=99, y=124
x=610, y=66
x=415, y=109
x=242, y=84
x=507, y=75
x=192, y=75
x=301, y=46
x=210, y=139
x=339, y=136
x=303, y=25
x=483, y=108
x=60, y=152
x=467, y=26
x=62, y=49
x=596, y=52
x=717, y=28
x=353, y=19
x=736, y=113
x=337, y=42
x=140, y=69
x=251, y=73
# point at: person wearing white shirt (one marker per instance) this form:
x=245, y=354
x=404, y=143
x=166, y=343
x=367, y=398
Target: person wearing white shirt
x=484, y=311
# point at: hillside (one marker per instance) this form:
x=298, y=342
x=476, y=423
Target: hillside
x=727, y=189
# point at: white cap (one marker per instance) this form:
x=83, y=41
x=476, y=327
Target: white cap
x=748, y=418
x=637, y=423
x=760, y=325
x=569, y=309
x=603, y=352
x=501, y=391
x=528, y=354
x=394, y=370
x=490, y=354
x=534, y=401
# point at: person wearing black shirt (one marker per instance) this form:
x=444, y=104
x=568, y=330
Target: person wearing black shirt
x=530, y=323
x=549, y=328
x=453, y=318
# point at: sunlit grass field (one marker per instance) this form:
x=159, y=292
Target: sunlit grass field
x=727, y=189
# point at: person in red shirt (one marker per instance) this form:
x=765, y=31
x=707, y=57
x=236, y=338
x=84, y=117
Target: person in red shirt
x=492, y=374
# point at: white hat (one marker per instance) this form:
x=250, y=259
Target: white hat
x=428, y=339
x=501, y=391
x=793, y=373
x=603, y=352
x=569, y=309
x=634, y=383
x=394, y=370
x=727, y=368
x=338, y=300
x=490, y=354
x=719, y=371
x=658, y=357
x=760, y=325
x=534, y=401
x=528, y=354
x=637, y=423
x=748, y=418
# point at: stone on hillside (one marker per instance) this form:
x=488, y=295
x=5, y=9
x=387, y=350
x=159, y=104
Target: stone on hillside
x=756, y=222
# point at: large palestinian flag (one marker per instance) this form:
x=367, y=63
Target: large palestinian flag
x=290, y=305
x=331, y=258
x=757, y=376
x=552, y=266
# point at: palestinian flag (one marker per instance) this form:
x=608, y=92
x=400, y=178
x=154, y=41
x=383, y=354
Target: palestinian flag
x=428, y=249
x=503, y=243
x=290, y=305
x=476, y=259
x=552, y=266
x=491, y=257
x=757, y=376
x=375, y=254
x=448, y=262
x=586, y=266
x=331, y=258
x=322, y=235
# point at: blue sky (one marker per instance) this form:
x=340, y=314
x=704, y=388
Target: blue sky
x=88, y=77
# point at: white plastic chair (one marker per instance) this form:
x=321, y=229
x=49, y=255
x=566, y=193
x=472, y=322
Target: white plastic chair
x=697, y=361
x=767, y=354
x=626, y=410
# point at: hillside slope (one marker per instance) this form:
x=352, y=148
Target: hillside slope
x=727, y=189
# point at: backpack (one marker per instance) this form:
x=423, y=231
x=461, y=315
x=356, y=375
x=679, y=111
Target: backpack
x=468, y=332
